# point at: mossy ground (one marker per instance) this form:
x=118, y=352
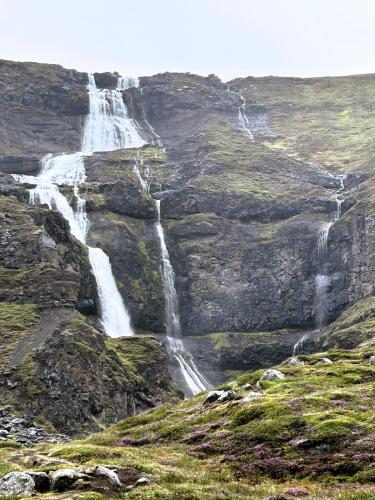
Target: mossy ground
x=16, y=320
x=313, y=430
x=354, y=326
x=320, y=120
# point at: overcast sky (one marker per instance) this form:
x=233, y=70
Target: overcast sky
x=230, y=38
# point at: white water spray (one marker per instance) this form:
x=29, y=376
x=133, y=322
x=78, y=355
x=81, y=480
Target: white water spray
x=107, y=127
x=322, y=280
x=242, y=116
x=194, y=380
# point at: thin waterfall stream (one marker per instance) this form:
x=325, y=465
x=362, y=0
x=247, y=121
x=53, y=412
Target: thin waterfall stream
x=322, y=279
x=242, y=116
x=193, y=380
x=107, y=127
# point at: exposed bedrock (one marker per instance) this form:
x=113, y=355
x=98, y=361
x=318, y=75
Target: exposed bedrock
x=42, y=108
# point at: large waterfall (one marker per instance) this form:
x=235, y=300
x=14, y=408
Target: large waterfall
x=107, y=128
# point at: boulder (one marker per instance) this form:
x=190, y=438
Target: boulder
x=227, y=396
x=17, y=483
x=372, y=360
x=324, y=361
x=247, y=387
x=142, y=481
x=41, y=480
x=252, y=396
x=63, y=479
x=293, y=361
x=101, y=471
x=213, y=396
x=272, y=374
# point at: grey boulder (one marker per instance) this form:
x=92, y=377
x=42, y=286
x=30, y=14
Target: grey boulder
x=213, y=396
x=272, y=374
x=64, y=478
x=227, y=396
x=17, y=483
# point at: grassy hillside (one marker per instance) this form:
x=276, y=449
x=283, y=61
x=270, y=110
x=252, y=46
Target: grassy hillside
x=329, y=121
x=309, y=434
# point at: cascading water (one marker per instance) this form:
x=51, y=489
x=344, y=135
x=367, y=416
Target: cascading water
x=107, y=128
x=195, y=382
x=242, y=116
x=191, y=378
x=322, y=280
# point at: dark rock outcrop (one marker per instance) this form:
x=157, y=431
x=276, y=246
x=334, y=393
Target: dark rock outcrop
x=79, y=379
x=42, y=108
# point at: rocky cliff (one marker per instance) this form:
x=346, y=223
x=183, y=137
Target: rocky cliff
x=242, y=208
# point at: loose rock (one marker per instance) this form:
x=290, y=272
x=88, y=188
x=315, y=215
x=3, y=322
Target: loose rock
x=272, y=374
x=101, y=471
x=324, y=361
x=17, y=483
x=247, y=387
x=213, y=396
x=227, y=396
x=293, y=361
x=64, y=478
x=142, y=481
x=252, y=396
x=41, y=480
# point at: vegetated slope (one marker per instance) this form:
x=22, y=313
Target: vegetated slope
x=308, y=434
x=329, y=121
x=241, y=217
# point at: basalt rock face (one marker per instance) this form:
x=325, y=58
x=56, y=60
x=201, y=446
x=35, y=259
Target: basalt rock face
x=241, y=218
x=42, y=106
x=122, y=222
x=241, y=208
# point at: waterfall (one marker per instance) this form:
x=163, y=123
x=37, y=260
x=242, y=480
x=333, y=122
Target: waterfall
x=322, y=279
x=242, y=116
x=194, y=380
x=107, y=128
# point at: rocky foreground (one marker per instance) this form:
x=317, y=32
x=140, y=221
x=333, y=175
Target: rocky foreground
x=303, y=429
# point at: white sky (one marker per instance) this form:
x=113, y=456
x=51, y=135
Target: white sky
x=230, y=38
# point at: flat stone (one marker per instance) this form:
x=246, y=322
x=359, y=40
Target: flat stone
x=252, y=396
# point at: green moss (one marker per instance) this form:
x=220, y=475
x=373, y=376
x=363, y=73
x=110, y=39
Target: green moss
x=319, y=120
x=16, y=320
